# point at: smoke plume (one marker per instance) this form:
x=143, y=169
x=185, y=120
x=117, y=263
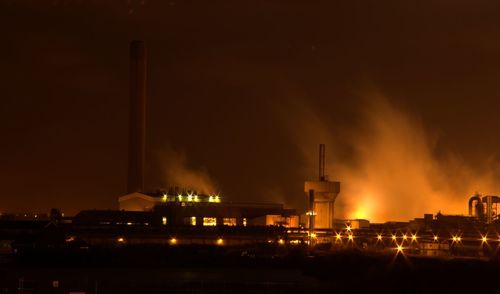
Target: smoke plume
x=390, y=166
x=177, y=172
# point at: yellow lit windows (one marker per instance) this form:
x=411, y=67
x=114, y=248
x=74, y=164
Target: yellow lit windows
x=229, y=221
x=209, y=221
x=190, y=221
x=164, y=220
x=244, y=221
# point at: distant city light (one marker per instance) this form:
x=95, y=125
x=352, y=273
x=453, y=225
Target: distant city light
x=220, y=241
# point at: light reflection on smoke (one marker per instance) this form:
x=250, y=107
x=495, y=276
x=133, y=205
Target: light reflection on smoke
x=178, y=172
x=394, y=172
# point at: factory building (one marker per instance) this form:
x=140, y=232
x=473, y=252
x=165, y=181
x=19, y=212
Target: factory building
x=192, y=209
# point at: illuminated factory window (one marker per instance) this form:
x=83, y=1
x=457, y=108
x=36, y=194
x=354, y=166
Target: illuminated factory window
x=244, y=221
x=193, y=220
x=164, y=199
x=209, y=221
x=230, y=221
x=164, y=220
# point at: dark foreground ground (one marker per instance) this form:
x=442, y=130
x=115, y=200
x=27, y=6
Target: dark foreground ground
x=219, y=270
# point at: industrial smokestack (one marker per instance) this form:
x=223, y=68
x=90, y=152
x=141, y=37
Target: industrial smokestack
x=137, y=119
x=321, y=162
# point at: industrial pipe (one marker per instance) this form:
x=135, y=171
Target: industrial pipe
x=477, y=198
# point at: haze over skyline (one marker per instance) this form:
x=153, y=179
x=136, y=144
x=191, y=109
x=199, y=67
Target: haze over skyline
x=240, y=94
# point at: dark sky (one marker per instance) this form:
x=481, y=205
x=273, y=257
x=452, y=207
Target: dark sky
x=222, y=76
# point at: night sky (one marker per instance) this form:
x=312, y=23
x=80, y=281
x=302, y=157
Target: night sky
x=240, y=93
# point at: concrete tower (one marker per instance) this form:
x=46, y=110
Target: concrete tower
x=321, y=196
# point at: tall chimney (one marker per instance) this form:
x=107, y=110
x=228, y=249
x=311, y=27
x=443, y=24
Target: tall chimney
x=137, y=119
x=321, y=162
